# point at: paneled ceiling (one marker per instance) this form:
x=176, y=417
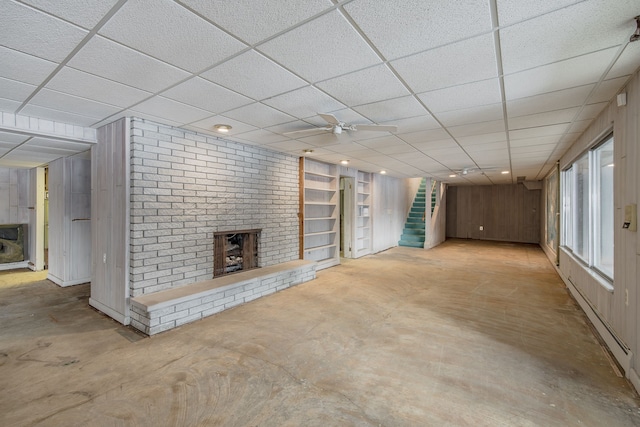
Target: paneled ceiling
x=482, y=86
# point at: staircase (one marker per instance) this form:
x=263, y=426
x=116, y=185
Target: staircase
x=413, y=233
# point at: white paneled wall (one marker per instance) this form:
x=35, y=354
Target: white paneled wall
x=14, y=193
x=110, y=221
x=617, y=309
x=70, y=220
x=392, y=198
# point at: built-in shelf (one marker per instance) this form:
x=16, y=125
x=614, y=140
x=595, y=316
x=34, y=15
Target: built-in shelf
x=363, y=214
x=319, y=207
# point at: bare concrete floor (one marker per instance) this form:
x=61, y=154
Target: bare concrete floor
x=469, y=333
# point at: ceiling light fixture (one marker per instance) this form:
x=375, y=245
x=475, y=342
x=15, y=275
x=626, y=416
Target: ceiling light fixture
x=636, y=34
x=307, y=151
x=504, y=172
x=222, y=128
x=383, y=172
x=453, y=175
x=344, y=162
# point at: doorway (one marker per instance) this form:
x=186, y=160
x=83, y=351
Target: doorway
x=347, y=206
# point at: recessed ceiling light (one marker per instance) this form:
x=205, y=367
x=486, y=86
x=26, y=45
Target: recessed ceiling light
x=222, y=128
x=453, y=175
x=504, y=172
x=307, y=151
x=344, y=162
x=383, y=172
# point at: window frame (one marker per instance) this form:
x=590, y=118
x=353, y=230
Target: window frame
x=570, y=209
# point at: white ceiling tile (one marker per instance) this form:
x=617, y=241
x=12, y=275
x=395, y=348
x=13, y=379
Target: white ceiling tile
x=290, y=145
x=29, y=31
x=414, y=26
x=424, y=136
x=207, y=124
x=458, y=63
x=365, y=86
x=348, y=147
x=383, y=141
x=173, y=110
x=512, y=11
x=432, y=146
x=484, y=113
x=14, y=90
x=483, y=139
x=579, y=126
x=85, y=85
x=558, y=129
x=28, y=159
x=477, y=128
x=529, y=142
x=591, y=111
x=113, y=61
x=325, y=139
x=85, y=13
x=393, y=109
x=205, y=95
x=562, y=34
x=262, y=136
x=559, y=100
x=72, y=104
x=259, y=115
x=144, y=24
x=543, y=119
x=607, y=90
x=627, y=63
x=560, y=75
x=414, y=124
x=463, y=96
x=255, y=21
x=481, y=149
x=397, y=149
x=305, y=102
x=323, y=48
x=537, y=148
x=12, y=139
x=9, y=105
x=24, y=68
x=255, y=76
x=73, y=147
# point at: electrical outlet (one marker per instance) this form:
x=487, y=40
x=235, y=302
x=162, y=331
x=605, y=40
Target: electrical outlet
x=482, y=228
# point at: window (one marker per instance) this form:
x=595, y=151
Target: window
x=587, y=208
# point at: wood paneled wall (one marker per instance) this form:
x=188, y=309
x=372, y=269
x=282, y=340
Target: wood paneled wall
x=110, y=221
x=506, y=212
x=617, y=309
x=70, y=220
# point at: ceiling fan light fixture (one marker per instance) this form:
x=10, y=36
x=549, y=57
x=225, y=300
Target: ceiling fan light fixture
x=222, y=128
x=337, y=130
x=636, y=34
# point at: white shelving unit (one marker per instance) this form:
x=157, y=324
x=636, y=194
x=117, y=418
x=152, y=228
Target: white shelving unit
x=319, y=199
x=363, y=214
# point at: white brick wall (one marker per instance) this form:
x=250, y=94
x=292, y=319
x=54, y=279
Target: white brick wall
x=186, y=186
x=167, y=310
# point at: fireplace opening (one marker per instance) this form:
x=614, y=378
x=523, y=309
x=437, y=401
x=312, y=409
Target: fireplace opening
x=235, y=251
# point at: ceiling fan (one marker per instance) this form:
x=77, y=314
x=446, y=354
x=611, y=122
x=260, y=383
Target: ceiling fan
x=336, y=127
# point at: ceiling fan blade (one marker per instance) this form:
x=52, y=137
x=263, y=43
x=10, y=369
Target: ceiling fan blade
x=330, y=118
x=384, y=128
x=293, y=132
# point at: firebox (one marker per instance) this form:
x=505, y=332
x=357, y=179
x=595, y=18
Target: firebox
x=235, y=251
